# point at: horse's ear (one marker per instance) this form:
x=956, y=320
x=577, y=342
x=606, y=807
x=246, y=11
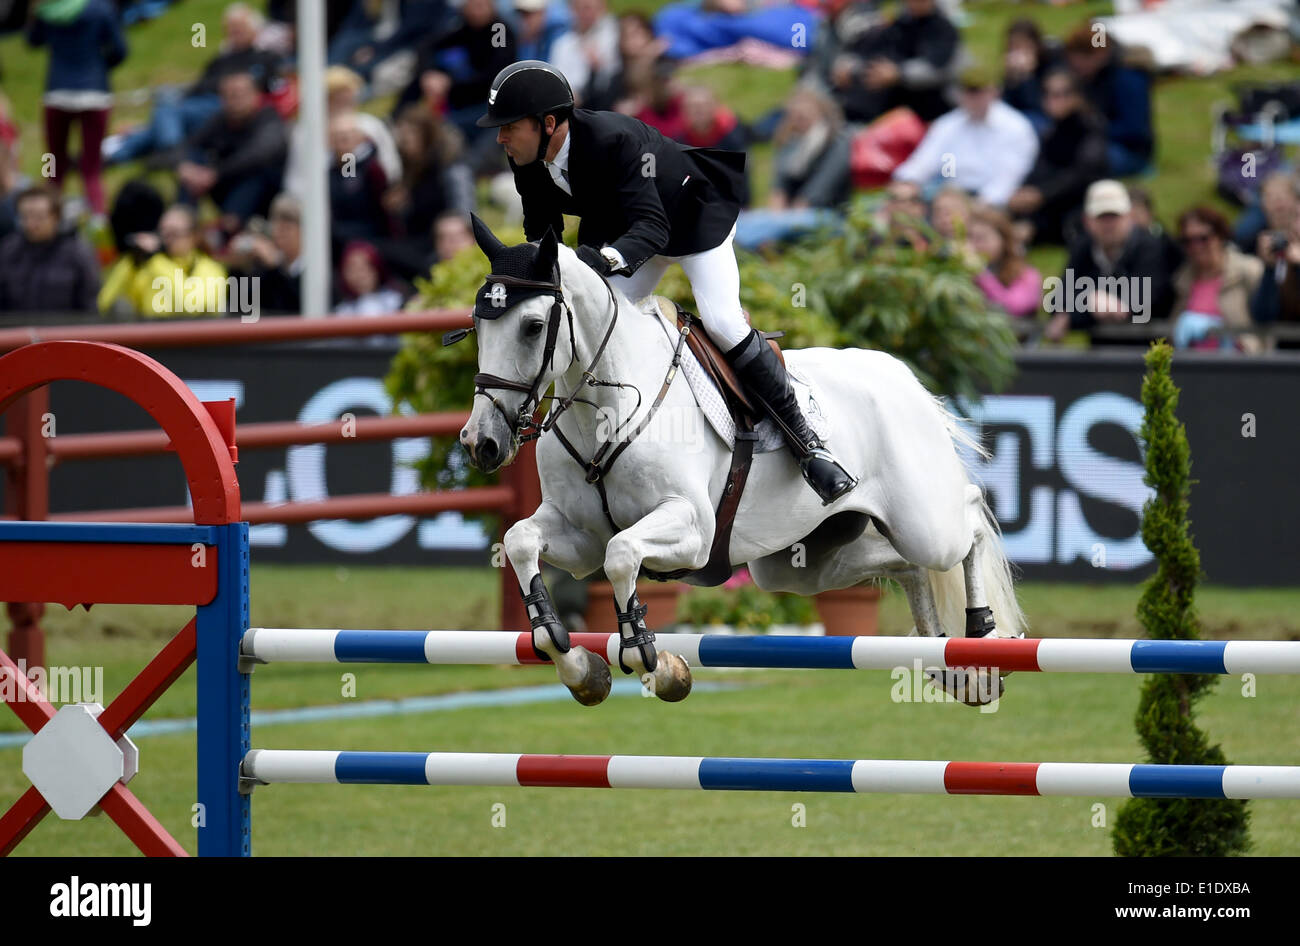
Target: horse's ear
x=548, y=252
x=486, y=239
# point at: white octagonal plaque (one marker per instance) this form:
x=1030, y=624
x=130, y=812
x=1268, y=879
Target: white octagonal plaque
x=72, y=761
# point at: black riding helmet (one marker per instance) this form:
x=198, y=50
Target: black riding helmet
x=528, y=89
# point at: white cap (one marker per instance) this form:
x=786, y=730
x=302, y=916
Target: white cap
x=530, y=6
x=1106, y=197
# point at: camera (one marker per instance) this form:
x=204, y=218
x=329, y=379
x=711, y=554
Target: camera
x=1277, y=243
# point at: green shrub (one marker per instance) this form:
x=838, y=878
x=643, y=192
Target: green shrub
x=1173, y=827
x=745, y=608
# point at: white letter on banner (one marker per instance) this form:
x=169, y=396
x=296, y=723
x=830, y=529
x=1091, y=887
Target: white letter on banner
x=1099, y=476
x=1000, y=474
x=306, y=467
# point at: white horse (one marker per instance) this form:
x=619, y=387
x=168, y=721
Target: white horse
x=915, y=516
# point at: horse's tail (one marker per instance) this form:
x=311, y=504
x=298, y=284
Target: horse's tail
x=999, y=585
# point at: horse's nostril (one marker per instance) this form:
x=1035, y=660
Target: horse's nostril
x=488, y=452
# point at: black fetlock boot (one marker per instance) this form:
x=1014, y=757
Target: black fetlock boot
x=761, y=372
x=541, y=614
x=633, y=634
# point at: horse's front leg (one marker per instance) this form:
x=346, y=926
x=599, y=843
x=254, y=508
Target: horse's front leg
x=548, y=530
x=674, y=535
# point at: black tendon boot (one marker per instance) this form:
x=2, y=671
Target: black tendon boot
x=764, y=378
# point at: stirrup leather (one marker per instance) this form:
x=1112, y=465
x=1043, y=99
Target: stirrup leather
x=632, y=632
x=539, y=598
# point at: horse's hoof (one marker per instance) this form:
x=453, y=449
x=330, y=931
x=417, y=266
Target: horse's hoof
x=972, y=687
x=672, y=678
x=592, y=689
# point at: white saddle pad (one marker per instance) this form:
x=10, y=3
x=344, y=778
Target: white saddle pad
x=714, y=405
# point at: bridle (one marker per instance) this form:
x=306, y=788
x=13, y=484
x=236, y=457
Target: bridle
x=523, y=424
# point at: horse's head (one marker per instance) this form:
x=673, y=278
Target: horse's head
x=519, y=319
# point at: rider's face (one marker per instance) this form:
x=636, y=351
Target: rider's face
x=520, y=139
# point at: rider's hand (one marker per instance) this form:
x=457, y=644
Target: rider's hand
x=591, y=256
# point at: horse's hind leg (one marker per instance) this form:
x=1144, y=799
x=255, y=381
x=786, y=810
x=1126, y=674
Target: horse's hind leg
x=585, y=674
x=981, y=566
x=670, y=537
x=974, y=687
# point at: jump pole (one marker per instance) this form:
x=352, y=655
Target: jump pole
x=863, y=776
x=307, y=645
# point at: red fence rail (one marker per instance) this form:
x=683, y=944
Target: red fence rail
x=26, y=456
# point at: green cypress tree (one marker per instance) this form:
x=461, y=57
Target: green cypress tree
x=1151, y=827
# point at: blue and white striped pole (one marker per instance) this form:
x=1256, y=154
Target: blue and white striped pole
x=277, y=645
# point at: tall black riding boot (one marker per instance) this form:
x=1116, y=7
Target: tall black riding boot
x=761, y=372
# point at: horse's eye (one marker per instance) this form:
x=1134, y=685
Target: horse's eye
x=533, y=329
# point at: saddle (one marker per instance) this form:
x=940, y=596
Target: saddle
x=745, y=416
x=711, y=358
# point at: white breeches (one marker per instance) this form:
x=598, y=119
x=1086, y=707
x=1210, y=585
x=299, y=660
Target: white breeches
x=715, y=281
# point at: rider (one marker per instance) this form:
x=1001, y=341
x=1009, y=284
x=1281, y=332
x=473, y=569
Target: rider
x=646, y=202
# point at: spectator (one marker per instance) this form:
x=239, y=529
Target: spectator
x=1279, y=202
x=1026, y=64
x=638, y=51
x=1144, y=218
x=137, y=208
x=811, y=165
x=1214, y=286
x=588, y=53
x=12, y=180
x=452, y=235
x=375, y=30
x=1113, y=249
x=275, y=260
x=538, y=30
x=455, y=70
x=1122, y=95
x=661, y=101
x=709, y=123
x=984, y=145
x=86, y=42
x=950, y=211
x=166, y=275
x=907, y=62
x=1278, y=296
x=1008, y=281
x=1072, y=155
x=364, y=283
x=847, y=23
x=237, y=157
x=43, y=268
x=433, y=181
x=342, y=93
x=901, y=213
x=178, y=114
x=357, y=184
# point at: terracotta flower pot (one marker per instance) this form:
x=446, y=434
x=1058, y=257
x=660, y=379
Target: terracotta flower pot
x=849, y=612
x=659, y=596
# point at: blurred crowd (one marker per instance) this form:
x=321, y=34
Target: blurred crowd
x=989, y=162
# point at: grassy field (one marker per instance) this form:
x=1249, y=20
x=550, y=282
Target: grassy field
x=763, y=713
